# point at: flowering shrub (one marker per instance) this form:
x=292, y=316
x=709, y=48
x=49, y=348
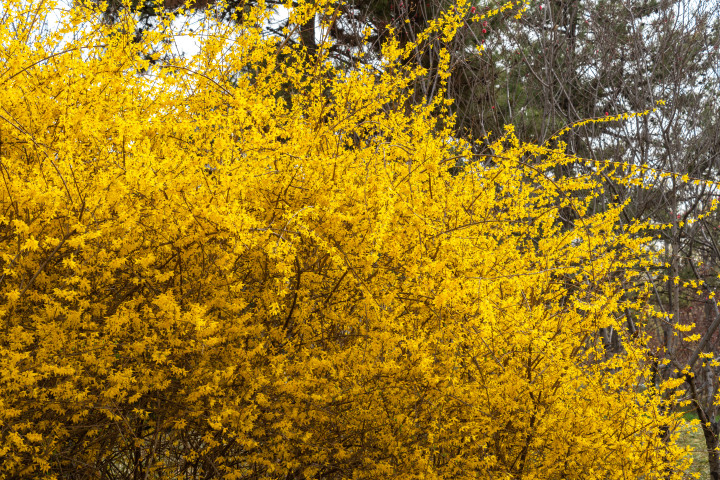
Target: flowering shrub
x=235, y=265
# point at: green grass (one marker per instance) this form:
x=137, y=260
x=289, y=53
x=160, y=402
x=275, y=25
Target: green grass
x=692, y=436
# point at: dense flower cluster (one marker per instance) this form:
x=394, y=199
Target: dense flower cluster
x=246, y=264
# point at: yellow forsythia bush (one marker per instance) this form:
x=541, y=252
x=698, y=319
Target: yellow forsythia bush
x=247, y=264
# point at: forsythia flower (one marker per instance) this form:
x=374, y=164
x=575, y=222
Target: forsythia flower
x=248, y=263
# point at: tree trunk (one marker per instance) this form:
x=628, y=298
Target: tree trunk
x=710, y=431
x=307, y=35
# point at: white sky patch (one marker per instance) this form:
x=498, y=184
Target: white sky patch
x=186, y=46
